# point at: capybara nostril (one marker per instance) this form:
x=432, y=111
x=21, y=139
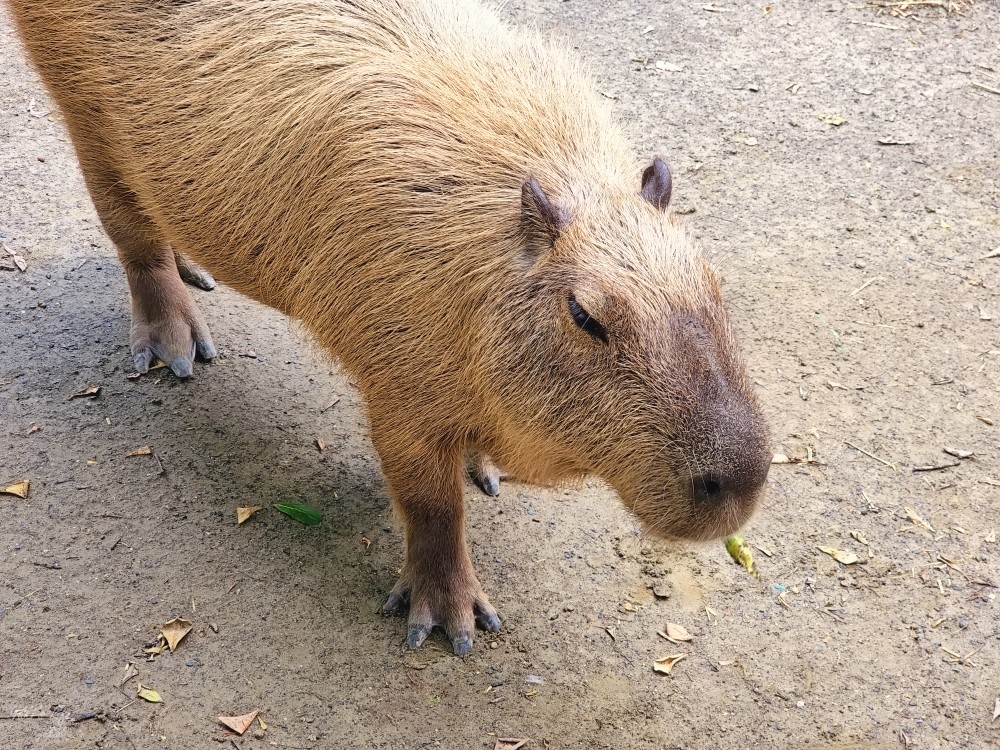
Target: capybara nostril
x=708, y=489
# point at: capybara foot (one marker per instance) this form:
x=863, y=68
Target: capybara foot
x=459, y=610
x=166, y=324
x=486, y=474
x=193, y=274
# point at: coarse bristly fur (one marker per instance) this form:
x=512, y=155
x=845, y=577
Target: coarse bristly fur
x=451, y=211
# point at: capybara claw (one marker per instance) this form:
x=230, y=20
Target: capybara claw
x=396, y=603
x=143, y=358
x=193, y=274
x=487, y=618
x=416, y=634
x=486, y=475
x=205, y=350
x=182, y=367
x=490, y=485
x=461, y=644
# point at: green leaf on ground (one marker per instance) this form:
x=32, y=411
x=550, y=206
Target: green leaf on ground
x=301, y=513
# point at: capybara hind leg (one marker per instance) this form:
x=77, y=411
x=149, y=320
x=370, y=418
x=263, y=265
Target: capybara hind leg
x=486, y=474
x=193, y=274
x=166, y=324
x=438, y=584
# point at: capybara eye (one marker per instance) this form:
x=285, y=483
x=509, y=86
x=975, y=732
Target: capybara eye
x=586, y=322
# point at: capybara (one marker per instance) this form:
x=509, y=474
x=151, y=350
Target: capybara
x=450, y=209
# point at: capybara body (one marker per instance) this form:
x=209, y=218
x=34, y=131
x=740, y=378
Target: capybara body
x=452, y=212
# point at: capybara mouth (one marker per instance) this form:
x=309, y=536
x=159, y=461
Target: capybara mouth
x=708, y=507
x=696, y=526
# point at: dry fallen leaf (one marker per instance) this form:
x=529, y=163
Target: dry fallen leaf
x=959, y=453
x=674, y=633
x=263, y=726
x=159, y=648
x=22, y=266
x=143, y=451
x=668, y=66
x=174, y=631
x=245, y=512
x=842, y=556
x=18, y=489
x=664, y=665
x=130, y=672
x=320, y=443
x=239, y=724
x=912, y=515
x=996, y=711
x=148, y=694
x=90, y=391
x=509, y=743
x=859, y=537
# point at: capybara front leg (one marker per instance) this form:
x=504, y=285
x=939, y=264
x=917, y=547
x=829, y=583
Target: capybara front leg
x=438, y=584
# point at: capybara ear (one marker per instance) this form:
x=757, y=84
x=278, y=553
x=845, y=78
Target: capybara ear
x=657, y=183
x=538, y=212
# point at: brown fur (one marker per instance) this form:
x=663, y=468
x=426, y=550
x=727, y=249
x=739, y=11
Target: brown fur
x=362, y=166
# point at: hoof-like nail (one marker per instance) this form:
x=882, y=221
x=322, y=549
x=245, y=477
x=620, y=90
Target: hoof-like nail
x=395, y=604
x=205, y=351
x=416, y=635
x=143, y=359
x=206, y=281
x=490, y=485
x=462, y=644
x=489, y=621
x=181, y=367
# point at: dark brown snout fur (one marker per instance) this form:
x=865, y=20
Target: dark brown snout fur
x=453, y=213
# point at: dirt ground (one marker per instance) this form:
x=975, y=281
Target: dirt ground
x=843, y=166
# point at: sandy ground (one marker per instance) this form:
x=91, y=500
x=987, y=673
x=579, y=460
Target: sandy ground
x=840, y=163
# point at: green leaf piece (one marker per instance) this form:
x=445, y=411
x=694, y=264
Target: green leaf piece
x=301, y=513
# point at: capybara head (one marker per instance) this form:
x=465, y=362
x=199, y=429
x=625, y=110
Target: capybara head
x=631, y=369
